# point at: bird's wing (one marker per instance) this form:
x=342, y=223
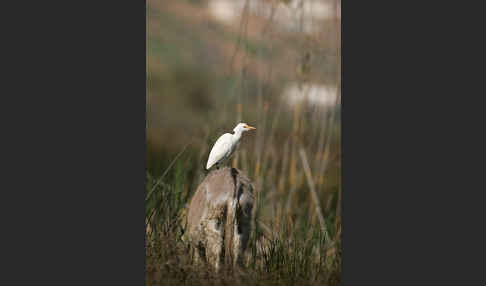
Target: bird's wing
x=220, y=149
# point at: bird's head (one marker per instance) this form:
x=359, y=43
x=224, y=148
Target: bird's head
x=243, y=127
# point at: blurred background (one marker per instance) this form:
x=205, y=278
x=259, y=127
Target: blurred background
x=273, y=64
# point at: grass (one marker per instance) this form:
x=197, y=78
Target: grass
x=291, y=257
x=291, y=243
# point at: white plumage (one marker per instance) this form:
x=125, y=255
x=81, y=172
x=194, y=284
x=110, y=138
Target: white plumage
x=226, y=145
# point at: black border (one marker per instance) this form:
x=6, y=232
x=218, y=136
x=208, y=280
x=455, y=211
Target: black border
x=76, y=117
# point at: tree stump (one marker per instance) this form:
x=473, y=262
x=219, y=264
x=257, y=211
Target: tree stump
x=219, y=218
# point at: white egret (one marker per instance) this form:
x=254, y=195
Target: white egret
x=226, y=145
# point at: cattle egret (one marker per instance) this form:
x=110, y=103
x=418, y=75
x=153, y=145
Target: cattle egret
x=226, y=145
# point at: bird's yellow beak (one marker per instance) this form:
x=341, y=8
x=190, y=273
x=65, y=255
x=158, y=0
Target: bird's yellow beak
x=250, y=127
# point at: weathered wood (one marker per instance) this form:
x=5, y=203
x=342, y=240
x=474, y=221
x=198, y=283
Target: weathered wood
x=220, y=216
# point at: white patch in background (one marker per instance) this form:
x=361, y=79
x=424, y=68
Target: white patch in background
x=224, y=10
x=316, y=94
x=286, y=16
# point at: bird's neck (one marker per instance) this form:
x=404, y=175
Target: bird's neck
x=237, y=135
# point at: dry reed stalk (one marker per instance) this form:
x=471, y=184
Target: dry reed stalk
x=267, y=231
x=327, y=208
x=159, y=181
x=264, y=164
x=270, y=199
x=293, y=159
x=291, y=182
x=302, y=123
x=270, y=170
x=267, y=80
x=314, y=196
x=244, y=161
x=259, y=131
x=325, y=169
x=338, y=209
x=258, y=152
x=322, y=136
x=238, y=119
x=313, y=219
x=243, y=21
x=276, y=117
x=329, y=199
x=325, y=155
x=278, y=217
x=282, y=179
